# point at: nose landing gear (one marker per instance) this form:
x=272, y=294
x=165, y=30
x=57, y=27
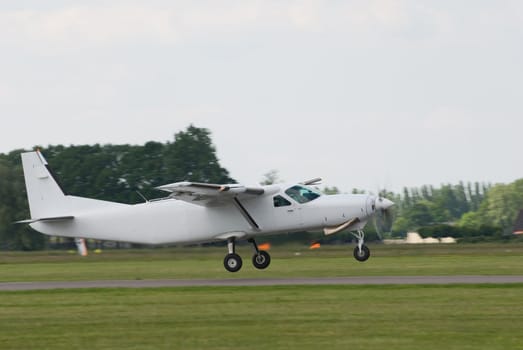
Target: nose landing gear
x=361, y=252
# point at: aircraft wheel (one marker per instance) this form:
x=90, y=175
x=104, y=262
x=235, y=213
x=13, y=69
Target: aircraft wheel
x=261, y=260
x=232, y=262
x=362, y=255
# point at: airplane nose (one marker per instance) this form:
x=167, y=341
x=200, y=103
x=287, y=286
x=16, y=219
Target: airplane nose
x=383, y=203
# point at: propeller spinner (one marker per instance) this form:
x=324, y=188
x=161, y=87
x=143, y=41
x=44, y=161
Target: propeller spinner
x=384, y=216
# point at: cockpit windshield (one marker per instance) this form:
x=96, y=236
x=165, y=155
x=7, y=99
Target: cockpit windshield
x=302, y=194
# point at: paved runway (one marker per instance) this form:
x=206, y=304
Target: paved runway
x=366, y=280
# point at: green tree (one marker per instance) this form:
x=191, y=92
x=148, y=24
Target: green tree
x=270, y=177
x=420, y=214
x=502, y=204
x=13, y=207
x=331, y=190
x=192, y=157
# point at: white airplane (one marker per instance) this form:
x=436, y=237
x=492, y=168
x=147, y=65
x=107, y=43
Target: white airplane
x=198, y=212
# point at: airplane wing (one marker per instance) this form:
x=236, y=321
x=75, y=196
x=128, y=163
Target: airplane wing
x=209, y=194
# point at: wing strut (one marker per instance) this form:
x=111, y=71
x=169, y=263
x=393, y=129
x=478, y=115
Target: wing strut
x=245, y=214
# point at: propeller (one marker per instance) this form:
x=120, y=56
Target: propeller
x=384, y=216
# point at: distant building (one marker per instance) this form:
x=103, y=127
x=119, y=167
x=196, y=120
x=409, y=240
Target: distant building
x=415, y=238
x=518, y=226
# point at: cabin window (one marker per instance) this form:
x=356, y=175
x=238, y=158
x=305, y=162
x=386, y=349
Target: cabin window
x=301, y=194
x=279, y=201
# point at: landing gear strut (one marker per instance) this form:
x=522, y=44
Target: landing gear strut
x=361, y=252
x=232, y=261
x=261, y=259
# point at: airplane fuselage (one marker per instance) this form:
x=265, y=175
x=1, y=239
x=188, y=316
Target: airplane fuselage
x=172, y=221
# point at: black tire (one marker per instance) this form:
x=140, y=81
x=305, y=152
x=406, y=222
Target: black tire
x=364, y=255
x=232, y=262
x=261, y=260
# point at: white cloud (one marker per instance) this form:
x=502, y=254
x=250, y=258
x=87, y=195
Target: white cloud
x=88, y=26
x=374, y=85
x=446, y=119
x=358, y=24
x=377, y=13
x=305, y=15
x=5, y=91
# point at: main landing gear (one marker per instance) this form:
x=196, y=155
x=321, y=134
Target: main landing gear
x=361, y=252
x=261, y=259
x=233, y=262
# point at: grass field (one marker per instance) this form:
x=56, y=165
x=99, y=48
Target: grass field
x=278, y=317
x=287, y=261
x=304, y=317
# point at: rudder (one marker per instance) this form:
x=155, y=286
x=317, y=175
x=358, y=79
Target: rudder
x=45, y=196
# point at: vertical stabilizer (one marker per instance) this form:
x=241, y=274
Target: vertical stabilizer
x=46, y=197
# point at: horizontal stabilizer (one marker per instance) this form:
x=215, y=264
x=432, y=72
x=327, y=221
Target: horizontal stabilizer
x=56, y=218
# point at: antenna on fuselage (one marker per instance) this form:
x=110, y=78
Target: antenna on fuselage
x=141, y=195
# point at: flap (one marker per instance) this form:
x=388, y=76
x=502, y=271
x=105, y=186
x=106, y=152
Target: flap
x=209, y=194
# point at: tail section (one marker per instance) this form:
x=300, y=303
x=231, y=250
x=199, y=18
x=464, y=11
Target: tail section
x=47, y=200
x=46, y=197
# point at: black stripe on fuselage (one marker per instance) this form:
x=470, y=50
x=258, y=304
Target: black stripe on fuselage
x=246, y=214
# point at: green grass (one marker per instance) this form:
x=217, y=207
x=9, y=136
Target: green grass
x=279, y=317
x=287, y=261
x=283, y=317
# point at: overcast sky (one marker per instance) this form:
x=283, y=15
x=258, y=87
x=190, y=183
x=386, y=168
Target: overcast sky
x=366, y=94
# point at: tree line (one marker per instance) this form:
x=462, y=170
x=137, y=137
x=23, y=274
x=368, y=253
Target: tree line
x=119, y=172
x=470, y=211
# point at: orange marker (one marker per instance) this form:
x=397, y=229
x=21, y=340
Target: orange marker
x=264, y=246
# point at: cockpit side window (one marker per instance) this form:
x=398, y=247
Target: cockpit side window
x=301, y=194
x=279, y=201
